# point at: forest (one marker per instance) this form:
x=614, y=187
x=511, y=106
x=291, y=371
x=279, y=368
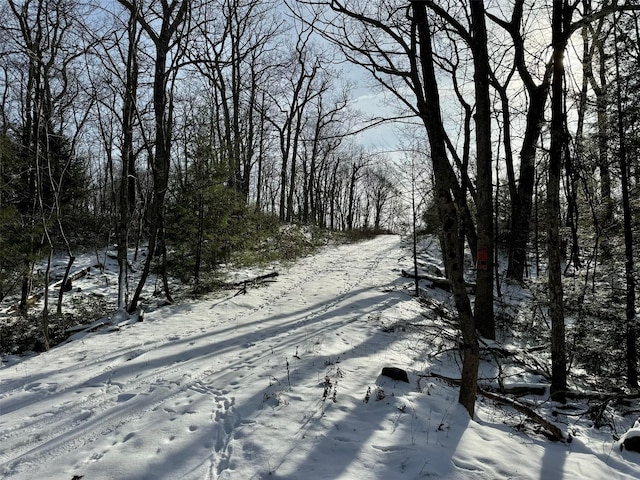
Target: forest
x=196, y=129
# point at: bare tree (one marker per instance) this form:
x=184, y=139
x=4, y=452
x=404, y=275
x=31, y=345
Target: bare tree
x=327, y=125
x=428, y=103
x=305, y=78
x=538, y=90
x=163, y=22
x=379, y=189
x=630, y=307
x=594, y=39
x=233, y=48
x=560, y=23
x=537, y=93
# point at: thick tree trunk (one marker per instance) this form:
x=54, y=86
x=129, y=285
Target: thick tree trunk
x=521, y=206
x=428, y=104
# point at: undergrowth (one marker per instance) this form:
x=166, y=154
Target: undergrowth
x=21, y=332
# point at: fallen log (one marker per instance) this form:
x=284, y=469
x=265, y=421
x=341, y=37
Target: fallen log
x=251, y=281
x=35, y=297
x=552, y=432
x=439, y=282
x=76, y=276
x=520, y=390
x=395, y=373
x=259, y=278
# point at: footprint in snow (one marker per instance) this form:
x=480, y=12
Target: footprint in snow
x=226, y=419
x=41, y=387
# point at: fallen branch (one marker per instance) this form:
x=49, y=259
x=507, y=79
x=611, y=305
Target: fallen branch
x=552, y=432
x=439, y=282
x=251, y=281
x=597, y=411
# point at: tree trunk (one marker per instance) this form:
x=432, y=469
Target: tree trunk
x=630, y=307
x=65, y=280
x=45, y=308
x=484, y=259
x=429, y=107
x=522, y=202
x=602, y=104
x=199, y=240
x=556, y=312
x=352, y=189
x=573, y=213
x=171, y=18
x=127, y=172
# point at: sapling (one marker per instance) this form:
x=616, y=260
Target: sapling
x=288, y=373
x=327, y=387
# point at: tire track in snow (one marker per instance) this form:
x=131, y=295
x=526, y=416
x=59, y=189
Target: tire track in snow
x=309, y=268
x=107, y=394
x=314, y=411
x=104, y=410
x=223, y=449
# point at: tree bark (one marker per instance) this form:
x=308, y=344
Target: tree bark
x=126, y=197
x=484, y=260
x=428, y=104
x=561, y=16
x=630, y=304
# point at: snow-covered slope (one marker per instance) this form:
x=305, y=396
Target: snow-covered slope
x=281, y=382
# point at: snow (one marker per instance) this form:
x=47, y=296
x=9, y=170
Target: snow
x=632, y=432
x=273, y=384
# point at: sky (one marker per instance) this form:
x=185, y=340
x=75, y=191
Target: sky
x=282, y=382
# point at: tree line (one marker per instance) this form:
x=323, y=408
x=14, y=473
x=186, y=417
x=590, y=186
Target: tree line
x=169, y=120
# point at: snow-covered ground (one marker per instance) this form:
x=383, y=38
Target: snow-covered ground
x=281, y=382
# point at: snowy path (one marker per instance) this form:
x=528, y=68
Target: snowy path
x=281, y=383
x=176, y=391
